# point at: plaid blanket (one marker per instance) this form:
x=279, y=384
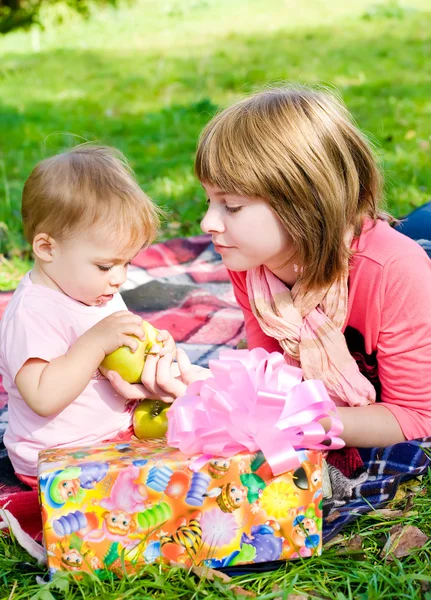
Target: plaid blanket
x=181, y=285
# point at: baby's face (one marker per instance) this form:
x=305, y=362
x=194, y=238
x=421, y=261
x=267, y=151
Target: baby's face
x=91, y=266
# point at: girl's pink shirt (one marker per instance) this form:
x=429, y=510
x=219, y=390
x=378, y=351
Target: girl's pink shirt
x=390, y=306
x=42, y=323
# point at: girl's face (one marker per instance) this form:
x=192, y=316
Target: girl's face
x=247, y=233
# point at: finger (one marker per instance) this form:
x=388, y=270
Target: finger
x=166, y=381
x=120, y=313
x=125, y=316
x=127, y=390
x=136, y=330
x=132, y=329
x=184, y=363
x=169, y=346
x=148, y=377
x=163, y=335
x=131, y=342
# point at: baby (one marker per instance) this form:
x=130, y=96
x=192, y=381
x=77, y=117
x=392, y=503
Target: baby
x=86, y=219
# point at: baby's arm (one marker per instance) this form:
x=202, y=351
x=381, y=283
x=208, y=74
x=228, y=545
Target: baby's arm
x=49, y=387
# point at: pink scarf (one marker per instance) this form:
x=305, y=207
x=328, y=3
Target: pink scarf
x=307, y=326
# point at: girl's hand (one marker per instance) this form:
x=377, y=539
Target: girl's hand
x=162, y=379
x=167, y=343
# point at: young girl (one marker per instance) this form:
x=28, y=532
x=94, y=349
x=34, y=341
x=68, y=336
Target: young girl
x=293, y=208
x=86, y=218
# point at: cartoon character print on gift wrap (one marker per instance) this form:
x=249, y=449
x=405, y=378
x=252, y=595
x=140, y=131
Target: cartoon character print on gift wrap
x=267, y=544
x=69, y=484
x=263, y=545
x=308, y=477
x=173, y=483
x=305, y=535
x=255, y=478
x=218, y=467
x=128, y=496
x=229, y=496
x=75, y=554
x=184, y=543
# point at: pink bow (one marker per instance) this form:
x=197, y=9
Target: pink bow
x=254, y=401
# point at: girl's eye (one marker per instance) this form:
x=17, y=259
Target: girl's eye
x=232, y=209
x=102, y=268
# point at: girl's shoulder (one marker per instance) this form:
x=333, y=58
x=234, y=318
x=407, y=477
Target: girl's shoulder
x=381, y=244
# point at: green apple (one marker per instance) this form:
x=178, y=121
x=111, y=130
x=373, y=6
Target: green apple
x=130, y=364
x=150, y=420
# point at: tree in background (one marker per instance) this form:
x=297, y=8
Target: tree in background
x=16, y=14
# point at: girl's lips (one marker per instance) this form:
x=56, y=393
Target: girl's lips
x=219, y=248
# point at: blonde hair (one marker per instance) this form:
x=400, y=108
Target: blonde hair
x=84, y=186
x=298, y=149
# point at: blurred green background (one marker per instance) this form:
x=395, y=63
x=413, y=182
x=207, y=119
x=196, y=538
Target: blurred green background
x=147, y=76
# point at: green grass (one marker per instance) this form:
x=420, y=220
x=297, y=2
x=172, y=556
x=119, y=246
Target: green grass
x=339, y=574
x=147, y=78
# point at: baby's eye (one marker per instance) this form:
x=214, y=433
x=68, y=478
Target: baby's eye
x=103, y=268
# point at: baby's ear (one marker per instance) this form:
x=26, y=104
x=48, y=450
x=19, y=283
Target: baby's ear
x=44, y=246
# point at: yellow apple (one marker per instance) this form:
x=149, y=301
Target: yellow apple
x=130, y=364
x=150, y=420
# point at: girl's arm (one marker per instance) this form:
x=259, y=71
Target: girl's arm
x=368, y=426
x=49, y=387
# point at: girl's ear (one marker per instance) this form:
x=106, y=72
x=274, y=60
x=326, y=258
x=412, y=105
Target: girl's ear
x=43, y=247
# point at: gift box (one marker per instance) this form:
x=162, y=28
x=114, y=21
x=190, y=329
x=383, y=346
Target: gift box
x=116, y=507
x=238, y=482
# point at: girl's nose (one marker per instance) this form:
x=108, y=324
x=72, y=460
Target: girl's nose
x=212, y=222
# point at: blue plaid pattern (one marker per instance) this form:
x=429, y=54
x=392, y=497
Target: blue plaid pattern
x=386, y=468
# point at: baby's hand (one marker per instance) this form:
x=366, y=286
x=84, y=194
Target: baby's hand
x=115, y=331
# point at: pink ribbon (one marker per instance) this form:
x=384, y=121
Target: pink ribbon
x=254, y=401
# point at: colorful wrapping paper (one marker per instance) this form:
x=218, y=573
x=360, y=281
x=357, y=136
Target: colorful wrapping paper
x=117, y=507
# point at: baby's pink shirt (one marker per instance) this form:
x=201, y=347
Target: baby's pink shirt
x=388, y=325
x=43, y=323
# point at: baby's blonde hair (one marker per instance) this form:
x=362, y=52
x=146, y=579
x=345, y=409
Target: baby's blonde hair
x=85, y=186
x=298, y=149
